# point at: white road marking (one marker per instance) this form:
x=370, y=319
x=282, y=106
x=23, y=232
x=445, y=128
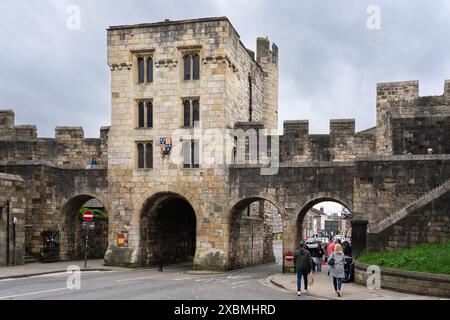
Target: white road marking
x=31, y=293
x=180, y=279
x=239, y=282
x=136, y=279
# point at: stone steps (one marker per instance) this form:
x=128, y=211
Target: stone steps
x=433, y=194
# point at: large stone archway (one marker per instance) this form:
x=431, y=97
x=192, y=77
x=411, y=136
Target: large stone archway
x=302, y=209
x=249, y=222
x=72, y=235
x=168, y=230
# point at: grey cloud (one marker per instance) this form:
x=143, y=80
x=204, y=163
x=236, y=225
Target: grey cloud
x=329, y=61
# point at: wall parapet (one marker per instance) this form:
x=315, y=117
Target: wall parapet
x=407, y=281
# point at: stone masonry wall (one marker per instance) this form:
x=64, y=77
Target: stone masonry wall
x=48, y=191
x=342, y=144
x=69, y=148
x=12, y=188
x=386, y=184
x=428, y=224
x=421, y=283
x=223, y=93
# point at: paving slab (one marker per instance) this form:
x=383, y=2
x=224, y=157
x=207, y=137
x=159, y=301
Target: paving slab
x=322, y=287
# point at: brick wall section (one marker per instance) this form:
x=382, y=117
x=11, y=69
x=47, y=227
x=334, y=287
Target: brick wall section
x=12, y=188
x=421, y=283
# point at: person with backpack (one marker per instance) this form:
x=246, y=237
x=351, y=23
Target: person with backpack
x=319, y=256
x=336, y=261
x=303, y=265
x=330, y=250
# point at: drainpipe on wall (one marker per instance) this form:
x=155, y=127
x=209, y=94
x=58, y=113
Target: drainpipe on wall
x=7, y=233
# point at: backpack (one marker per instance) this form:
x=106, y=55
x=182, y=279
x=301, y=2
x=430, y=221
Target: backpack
x=331, y=261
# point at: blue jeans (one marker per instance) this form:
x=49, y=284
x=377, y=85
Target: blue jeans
x=302, y=272
x=319, y=263
x=337, y=283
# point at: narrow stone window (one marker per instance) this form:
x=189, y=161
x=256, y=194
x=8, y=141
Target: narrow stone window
x=149, y=69
x=187, y=113
x=195, y=111
x=186, y=153
x=141, y=70
x=141, y=115
x=140, y=150
x=149, y=114
x=149, y=156
x=195, y=154
x=196, y=67
x=187, y=67
x=191, y=154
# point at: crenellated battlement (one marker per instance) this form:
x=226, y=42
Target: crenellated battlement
x=264, y=53
x=397, y=90
x=410, y=123
x=341, y=144
x=69, y=147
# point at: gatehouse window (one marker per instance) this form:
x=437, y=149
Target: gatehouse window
x=196, y=67
x=149, y=69
x=141, y=150
x=187, y=67
x=145, y=155
x=191, y=66
x=191, y=154
x=191, y=112
x=141, y=68
x=145, y=114
x=144, y=67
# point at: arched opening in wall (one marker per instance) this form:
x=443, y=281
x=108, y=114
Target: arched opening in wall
x=255, y=233
x=75, y=231
x=324, y=219
x=168, y=230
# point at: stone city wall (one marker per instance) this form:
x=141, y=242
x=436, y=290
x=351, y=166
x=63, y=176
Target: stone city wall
x=68, y=148
x=12, y=189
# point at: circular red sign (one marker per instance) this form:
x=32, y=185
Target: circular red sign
x=289, y=256
x=88, y=216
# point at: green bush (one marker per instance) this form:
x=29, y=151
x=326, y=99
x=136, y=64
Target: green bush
x=433, y=258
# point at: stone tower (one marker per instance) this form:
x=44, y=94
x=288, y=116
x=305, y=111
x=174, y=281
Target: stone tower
x=171, y=81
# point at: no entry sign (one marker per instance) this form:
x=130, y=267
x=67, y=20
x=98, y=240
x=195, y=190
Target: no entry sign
x=289, y=256
x=88, y=216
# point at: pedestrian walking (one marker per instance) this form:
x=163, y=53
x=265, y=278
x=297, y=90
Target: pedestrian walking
x=303, y=265
x=336, y=261
x=319, y=256
x=330, y=250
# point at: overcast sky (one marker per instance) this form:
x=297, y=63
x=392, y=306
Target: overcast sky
x=330, y=61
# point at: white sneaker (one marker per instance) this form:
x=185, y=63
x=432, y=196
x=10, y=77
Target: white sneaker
x=306, y=291
x=299, y=293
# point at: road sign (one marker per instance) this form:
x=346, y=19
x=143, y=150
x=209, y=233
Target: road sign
x=122, y=239
x=88, y=216
x=289, y=256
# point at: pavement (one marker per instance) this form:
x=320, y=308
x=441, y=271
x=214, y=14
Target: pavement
x=322, y=287
x=49, y=282
x=35, y=269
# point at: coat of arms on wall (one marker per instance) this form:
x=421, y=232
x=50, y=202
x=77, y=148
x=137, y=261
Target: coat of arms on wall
x=166, y=145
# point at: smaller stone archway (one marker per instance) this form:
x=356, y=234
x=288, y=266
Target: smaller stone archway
x=302, y=209
x=250, y=230
x=168, y=230
x=72, y=236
